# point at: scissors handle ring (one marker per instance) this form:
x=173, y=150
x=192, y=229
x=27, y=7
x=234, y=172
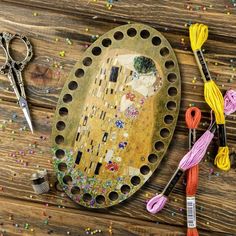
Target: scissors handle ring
x=5, y=39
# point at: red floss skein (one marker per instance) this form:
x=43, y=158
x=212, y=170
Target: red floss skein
x=192, y=119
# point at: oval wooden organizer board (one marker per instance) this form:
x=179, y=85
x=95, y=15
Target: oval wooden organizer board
x=116, y=116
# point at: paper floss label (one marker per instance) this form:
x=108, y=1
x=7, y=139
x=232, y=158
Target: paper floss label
x=191, y=212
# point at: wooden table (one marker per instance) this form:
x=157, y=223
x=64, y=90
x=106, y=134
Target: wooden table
x=49, y=25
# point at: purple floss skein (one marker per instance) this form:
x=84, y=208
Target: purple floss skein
x=192, y=158
x=230, y=102
x=195, y=155
x=155, y=204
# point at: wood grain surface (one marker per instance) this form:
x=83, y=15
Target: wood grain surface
x=48, y=24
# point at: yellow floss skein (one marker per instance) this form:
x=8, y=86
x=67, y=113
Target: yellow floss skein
x=220, y=160
x=215, y=100
x=198, y=35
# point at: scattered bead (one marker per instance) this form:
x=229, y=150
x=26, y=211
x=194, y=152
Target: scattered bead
x=62, y=53
x=26, y=226
x=68, y=41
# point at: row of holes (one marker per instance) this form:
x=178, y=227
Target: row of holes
x=100, y=199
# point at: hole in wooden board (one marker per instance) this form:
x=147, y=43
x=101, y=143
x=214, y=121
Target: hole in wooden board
x=172, y=77
x=87, y=61
x=131, y=32
x=100, y=199
x=79, y=73
x=67, y=98
x=62, y=166
x=168, y=119
x=159, y=145
x=125, y=189
x=60, y=125
x=169, y=64
x=60, y=153
x=63, y=111
x=118, y=35
x=135, y=180
x=164, y=133
x=96, y=51
x=164, y=52
x=113, y=196
x=171, y=105
x=144, y=34
x=156, y=41
x=172, y=91
x=87, y=197
x=152, y=158
x=75, y=190
x=59, y=139
x=145, y=170
x=106, y=42
x=67, y=179
x=73, y=85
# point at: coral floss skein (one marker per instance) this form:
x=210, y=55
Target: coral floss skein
x=192, y=119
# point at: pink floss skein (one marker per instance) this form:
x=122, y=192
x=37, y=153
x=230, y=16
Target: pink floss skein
x=192, y=158
x=230, y=102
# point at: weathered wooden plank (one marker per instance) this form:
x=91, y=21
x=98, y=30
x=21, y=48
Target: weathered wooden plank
x=216, y=197
x=43, y=220
x=168, y=14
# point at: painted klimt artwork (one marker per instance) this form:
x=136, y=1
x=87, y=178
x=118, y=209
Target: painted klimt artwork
x=114, y=142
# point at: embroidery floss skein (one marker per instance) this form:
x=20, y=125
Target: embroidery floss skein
x=199, y=148
x=192, y=119
x=192, y=158
x=198, y=35
x=230, y=101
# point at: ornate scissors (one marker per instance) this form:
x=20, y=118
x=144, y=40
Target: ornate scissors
x=13, y=69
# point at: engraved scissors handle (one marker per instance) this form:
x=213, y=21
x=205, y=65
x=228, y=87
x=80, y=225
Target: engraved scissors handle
x=12, y=68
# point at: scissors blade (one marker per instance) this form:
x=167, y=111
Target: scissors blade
x=24, y=106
